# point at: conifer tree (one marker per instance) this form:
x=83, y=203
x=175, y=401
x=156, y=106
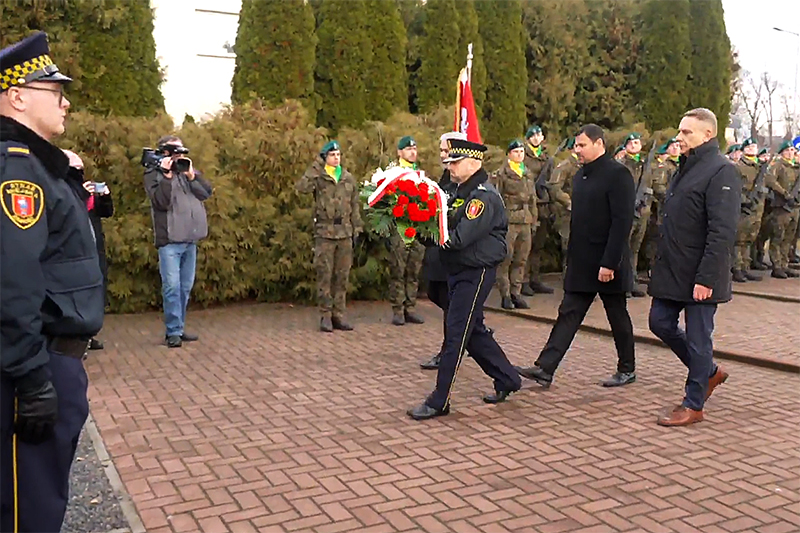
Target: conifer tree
x=504, y=105
x=413, y=14
x=275, y=52
x=344, y=55
x=386, y=80
x=711, y=71
x=469, y=32
x=664, y=64
x=440, y=58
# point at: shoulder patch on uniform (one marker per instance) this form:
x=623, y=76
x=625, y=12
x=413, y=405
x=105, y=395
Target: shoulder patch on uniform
x=474, y=209
x=17, y=149
x=23, y=202
x=482, y=188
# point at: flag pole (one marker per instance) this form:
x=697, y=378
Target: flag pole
x=469, y=62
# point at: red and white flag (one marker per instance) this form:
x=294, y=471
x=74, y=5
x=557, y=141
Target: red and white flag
x=466, y=119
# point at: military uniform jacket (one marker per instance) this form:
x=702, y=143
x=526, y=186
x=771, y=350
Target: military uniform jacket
x=535, y=163
x=336, y=205
x=748, y=171
x=51, y=279
x=478, y=225
x=560, y=183
x=780, y=179
x=662, y=172
x=518, y=193
x=636, y=167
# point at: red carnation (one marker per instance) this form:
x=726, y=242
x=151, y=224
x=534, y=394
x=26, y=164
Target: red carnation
x=423, y=190
x=402, y=200
x=410, y=233
x=432, y=207
x=398, y=211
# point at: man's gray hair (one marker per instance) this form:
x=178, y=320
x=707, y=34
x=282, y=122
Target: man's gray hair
x=452, y=136
x=704, y=115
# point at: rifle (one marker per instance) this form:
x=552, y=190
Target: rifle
x=642, y=191
x=759, y=190
x=544, y=175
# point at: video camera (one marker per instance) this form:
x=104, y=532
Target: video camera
x=151, y=159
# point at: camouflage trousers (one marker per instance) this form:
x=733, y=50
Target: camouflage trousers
x=561, y=226
x=746, y=234
x=540, y=234
x=405, y=263
x=512, y=269
x=332, y=261
x=781, y=232
x=793, y=249
x=638, y=231
x=757, y=250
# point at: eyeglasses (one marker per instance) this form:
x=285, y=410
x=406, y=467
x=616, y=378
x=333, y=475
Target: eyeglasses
x=59, y=91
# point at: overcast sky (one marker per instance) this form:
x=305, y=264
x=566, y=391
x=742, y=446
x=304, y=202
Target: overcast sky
x=198, y=85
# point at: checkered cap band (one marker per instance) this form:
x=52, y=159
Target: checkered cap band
x=474, y=154
x=25, y=72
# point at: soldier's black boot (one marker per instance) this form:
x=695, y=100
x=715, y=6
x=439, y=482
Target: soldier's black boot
x=739, y=277
x=518, y=302
x=779, y=273
x=792, y=274
x=398, y=319
x=341, y=324
x=413, y=318
x=541, y=288
x=325, y=324
x=637, y=292
x=506, y=303
x=751, y=277
x=527, y=290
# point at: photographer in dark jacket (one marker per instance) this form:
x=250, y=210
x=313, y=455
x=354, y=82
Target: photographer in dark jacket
x=100, y=206
x=477, y=245
x=602, y=215
x=692, y=270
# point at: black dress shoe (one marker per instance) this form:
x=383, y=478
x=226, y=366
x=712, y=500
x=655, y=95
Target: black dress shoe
x=413, y=318
x=325, y=324
x=340, y=324
x=498, y=397
x=638, y=293
x=188, y=337
x=537, y=374
x=527, y=290
x=619, y=379
x=541, y=288
x=519, y=303
x=506, y=303
x=433, y=364
x=95, y=344
x=174, y=341
x=423, y=412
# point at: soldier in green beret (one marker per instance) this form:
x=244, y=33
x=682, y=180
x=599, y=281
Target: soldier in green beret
x=664, y=167
x=763, y=155
x=337, y=223
x=539, y=163
x=560, y=188
x=405, y=261
x=635, y=163
x=619, y=153
x=752, y=211
x=782, y=176
x=517, y=186
x=734, y=152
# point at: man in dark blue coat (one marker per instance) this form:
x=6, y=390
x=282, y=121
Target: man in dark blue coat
x=598, y=259
x=692, y=270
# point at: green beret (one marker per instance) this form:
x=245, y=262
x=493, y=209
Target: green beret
x=785, y=145
x=330, y=146
x=661, y=150
x=516, y=143
x=732, y=148
x=747, y=142
x=533, y=130
x=630, y=137
x=405, y=142
x=763, y=151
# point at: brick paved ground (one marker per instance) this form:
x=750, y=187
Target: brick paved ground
x=267, y=425
x=745, y=325
x=769, y=285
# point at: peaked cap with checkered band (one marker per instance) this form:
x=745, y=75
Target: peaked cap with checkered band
x=458, y=149
x=27, y=61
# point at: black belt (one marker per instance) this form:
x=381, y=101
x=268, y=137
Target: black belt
x=68, y=346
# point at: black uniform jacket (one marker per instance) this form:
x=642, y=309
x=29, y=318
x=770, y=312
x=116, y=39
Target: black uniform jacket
x=434, y=270
x=51, y=280
x=602, y=215
x=478, y=225
x=698, y=228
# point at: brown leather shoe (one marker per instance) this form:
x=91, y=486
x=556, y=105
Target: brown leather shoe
x=719, y=377
x=681, y=416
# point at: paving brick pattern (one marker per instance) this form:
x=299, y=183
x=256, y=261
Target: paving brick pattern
x=747, y=324
x=266, y=425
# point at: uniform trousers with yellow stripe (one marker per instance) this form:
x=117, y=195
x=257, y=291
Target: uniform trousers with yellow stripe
x=465, y=332
x=34, y=479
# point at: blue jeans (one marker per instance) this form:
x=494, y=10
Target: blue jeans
x=693, y=346
x=177, y=263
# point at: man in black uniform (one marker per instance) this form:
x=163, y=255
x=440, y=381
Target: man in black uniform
x=477, y=245
x=52, y=293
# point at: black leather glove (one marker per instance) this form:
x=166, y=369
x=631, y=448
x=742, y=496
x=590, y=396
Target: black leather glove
x=37, y=412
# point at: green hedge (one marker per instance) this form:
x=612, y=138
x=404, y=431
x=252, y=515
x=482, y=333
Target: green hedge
x=260, y=241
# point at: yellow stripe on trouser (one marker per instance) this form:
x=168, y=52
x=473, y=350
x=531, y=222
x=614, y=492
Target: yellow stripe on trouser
x=14, y=459
x=464, y=338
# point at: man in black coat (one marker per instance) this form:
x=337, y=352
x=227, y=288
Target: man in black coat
x=598, y=255
x=692, y=270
